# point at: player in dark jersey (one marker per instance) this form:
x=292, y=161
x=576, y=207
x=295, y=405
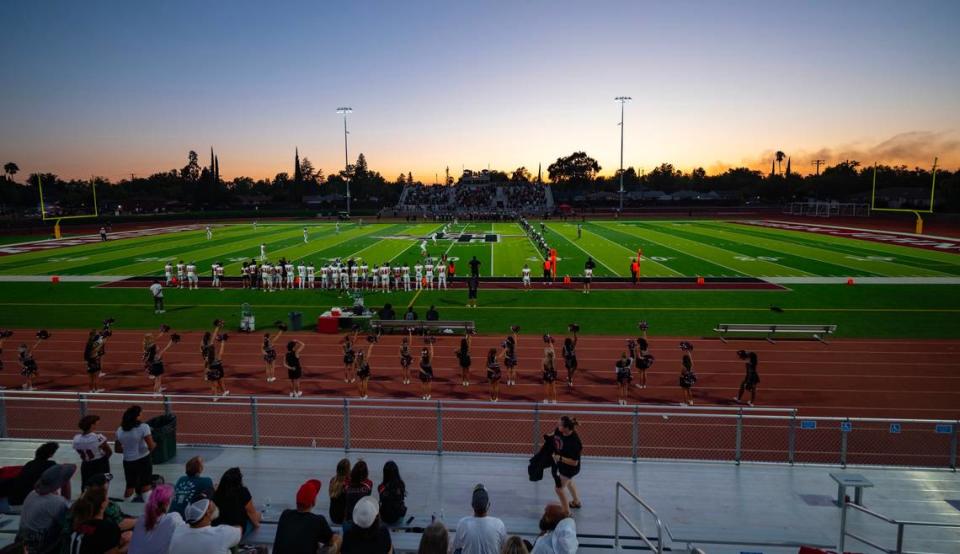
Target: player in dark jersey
x=291, y=360
x=406, y=358
x=463, y=358
x=624, y=377
x=363, y=368
x=349, y=359
x=426, y=370
x=549, y=375
x=494, y=373
x=269, y=351
x=751, y=379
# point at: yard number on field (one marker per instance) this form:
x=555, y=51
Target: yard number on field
x=752, y=259
x=79, y=259
x=871, y=258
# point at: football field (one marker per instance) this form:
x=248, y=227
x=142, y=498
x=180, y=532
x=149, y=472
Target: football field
x=900, y=290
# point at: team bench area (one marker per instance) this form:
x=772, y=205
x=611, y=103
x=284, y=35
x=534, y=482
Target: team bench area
x=817, y=332
x=421, y=327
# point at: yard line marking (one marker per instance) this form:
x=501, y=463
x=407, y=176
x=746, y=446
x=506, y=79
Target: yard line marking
x=414, y=299
x=492, y=230
x=589, y=256
x=735, y=271
x=675, y=272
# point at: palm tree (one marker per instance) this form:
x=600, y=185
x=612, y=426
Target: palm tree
x=780, y=156
x=10, y=169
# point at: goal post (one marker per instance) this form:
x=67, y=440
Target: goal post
x=56, y=218
x=918, y=227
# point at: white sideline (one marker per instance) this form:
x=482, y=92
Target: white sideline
x=63, y=278
x=864, y=280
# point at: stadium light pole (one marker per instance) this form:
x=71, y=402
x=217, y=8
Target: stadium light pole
x=623, y=101
x=346, y=155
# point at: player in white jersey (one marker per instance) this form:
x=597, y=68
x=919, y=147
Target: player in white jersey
x=405, y=272
x=181, y=273
x=192, y=280
x=302, y=273
x=311, y=276
x=344, y=278
x=587, y=277
x=288, y=269
x=92, y=447
x=266, y=270
x=374, y=277
x=526, y=276
x=385, y=277
x=324, y=276
x=397, y=271
x=364, y=273
x=254, y=225
x=168, y=273
x=429, y=269
x=337, y=229
x=305, y=235
x=354, y=276
x=209, y=233
x=263, y=252
x=441, y=276
x=418, y=270
x=215, y=282
x=423, y=248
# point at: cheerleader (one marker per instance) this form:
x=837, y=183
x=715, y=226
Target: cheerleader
x=92, y=354
x=751, y=379
x=494, y=373
x=623, y=378
x=349, y=359
x=549, y=375
x=28, y=366
x=426, y=370
x=687, y=376
x=294, y=370
x=363, y=368
x=269, y=352
x=570, y=357
x=406, y=358
x=510, y=356
x=213, y=364
x=642, y=357
x=463, y=357
x=153, y=359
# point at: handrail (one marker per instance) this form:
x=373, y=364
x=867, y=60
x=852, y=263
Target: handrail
x=901, y=526
x=618, y=514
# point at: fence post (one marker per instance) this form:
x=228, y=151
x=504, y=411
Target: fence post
x=536, y=427
x=166, y=405
x=843, y=445
x=616, y=518
x=254, y=422
x=792, y=438
x=346, y=424
x=82, y=399
x=635, y=446
x=953, y=446
x=843, y=526
x=439, y=428
x=3, y=415
x=736, y=454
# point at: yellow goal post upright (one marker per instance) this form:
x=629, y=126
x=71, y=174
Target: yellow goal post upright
x=918, y=228
x=57, y=218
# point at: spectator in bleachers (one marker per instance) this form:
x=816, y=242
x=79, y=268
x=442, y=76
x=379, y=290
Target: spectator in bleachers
x=92, y=533
x=199, y=537
x=479, y=533
x=32, y=470
x=435, y=539
x=515, y=545
x=558, y=532
x=301, y=531
x=432, y=314
x=367, y=535
x=135, y=442
x=93, y=448
x=337, y=491
x=153, y=531
x=235, y=502
x=111, y=513
x=392, y=492
x=191, y=486
x=359, y=486
x=44, y=510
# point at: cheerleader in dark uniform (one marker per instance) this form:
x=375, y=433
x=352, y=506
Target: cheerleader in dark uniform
x=687, y=375
x=92, y=353
x=363, y=368
x=291, y=360
x=510, y=356
x=642, y=359
x=426, y=370
x=153, y=359
x=213, y=364
x=349, y=359
x=751, y=379
x=463, y=358
x=28, y=366
x=624, y=377
x=406, y=359
x=549, y=375
x=494, y=374
x=570, y=357
x=269, y=352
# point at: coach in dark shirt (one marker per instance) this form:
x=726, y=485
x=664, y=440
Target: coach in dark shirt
x=432, y=314
x=475, y=267
x=387, y=312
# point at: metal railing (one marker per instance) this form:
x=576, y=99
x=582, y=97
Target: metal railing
x=730, y=434
x=901, y=526
x=618, y=514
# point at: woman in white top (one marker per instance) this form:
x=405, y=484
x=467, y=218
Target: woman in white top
x=153, y=530
x=93, y=449
x=135, y=442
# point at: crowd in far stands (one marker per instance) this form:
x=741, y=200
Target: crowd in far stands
x=195, y=516
x=526, y=197
x=422, y=195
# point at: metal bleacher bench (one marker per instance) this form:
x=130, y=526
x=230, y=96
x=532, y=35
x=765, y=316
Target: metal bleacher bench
x=422, y=327
x=817, y=331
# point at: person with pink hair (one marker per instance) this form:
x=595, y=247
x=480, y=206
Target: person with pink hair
x=154, y=529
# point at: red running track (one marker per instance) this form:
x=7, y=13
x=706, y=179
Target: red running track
x=848, y=378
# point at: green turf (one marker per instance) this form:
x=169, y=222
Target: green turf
x=670, y=248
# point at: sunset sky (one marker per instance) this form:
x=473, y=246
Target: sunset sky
x=117, y=87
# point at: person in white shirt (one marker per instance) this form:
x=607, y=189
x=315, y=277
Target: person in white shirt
x=218, y=273
x=344, y=278
x=135, y=442
x=354, y=276
x=153, y=531
x=216, y=278
x=209, y=233
x=429, y=268
x=302, y=274
x=288, y=269
x=337, y=228
x=181, y=273
x=587, y=277
x=267, y=270
x=559, y=532
x=479, y=533
x=156, y=289
x=93, y=448
x=305, y=235
x=423, y=248
x=385, y=277
x=325, y=277
x=441, y=276
x=263, y=252
x=192, y=281
x=405, y=271
x=526, y=276
x=375, y=277
x=434, y=237
x=418, y=270
x=311, y=275
x=198, y=536
x=168, y=273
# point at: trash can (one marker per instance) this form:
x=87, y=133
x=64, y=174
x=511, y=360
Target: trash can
x=164, y=431
x=296, y=321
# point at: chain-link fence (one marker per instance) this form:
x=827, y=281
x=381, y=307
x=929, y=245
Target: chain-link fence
x=635, y=432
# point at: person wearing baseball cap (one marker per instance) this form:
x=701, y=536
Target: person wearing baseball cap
x=367, y=535
x=44, y=510
x=198, y=537
x=301, y=531
x=480, y=533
